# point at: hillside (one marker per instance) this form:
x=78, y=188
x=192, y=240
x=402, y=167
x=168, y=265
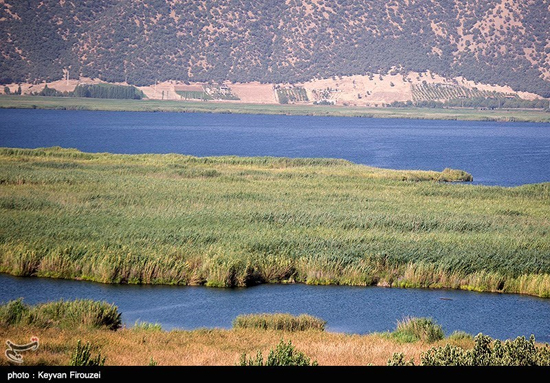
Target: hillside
x=505, y=43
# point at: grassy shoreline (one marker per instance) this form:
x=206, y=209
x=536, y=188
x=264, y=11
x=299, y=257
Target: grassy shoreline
x=58, y=327
x=237, y=221
x=74, y=103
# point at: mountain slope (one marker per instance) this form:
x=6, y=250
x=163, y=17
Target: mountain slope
x=503, y=42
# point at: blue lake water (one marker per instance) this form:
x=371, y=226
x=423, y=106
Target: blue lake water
x=357, y=310
x=504, y=154
x=495, y=153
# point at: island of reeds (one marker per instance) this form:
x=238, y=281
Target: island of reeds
x=240, y=221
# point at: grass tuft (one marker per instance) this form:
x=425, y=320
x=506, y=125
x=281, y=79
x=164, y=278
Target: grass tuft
x=418, y=329
x=61, y=314
x=284, y=322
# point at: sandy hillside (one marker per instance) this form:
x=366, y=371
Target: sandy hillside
x=360, y=90
x=255, y=93
x=161, y=91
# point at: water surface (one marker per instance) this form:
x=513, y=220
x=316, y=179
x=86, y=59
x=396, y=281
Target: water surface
x=495, y=153
x=506, y=154
x=354, y=310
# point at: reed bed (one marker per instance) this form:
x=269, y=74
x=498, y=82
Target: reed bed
x=61, y=314
x=279, y=321
x=415, y=329
x=237, y=221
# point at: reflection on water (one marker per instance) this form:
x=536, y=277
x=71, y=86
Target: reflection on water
x=356, y=310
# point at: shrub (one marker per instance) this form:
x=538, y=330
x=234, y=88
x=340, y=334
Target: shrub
x=486, y=352
x=12, y=312
x=82, y=356
x=283, y=355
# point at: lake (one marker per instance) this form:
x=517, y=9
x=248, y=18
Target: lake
x=357, y=310
x=495, y=153
x=503, y=154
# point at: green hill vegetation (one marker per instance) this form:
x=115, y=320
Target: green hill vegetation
x=232, y=221
x=141, y=42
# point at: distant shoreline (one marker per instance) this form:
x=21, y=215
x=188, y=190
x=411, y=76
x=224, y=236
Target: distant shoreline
x=147, y=105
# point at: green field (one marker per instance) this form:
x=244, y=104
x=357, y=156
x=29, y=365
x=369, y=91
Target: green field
x=232, y=221
x=145, y=105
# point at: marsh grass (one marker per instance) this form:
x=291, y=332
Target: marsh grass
x=418, y=329
x=241, y=221
x=147, y=344
x=279, y=321
x=61, y=314
x=146, y=326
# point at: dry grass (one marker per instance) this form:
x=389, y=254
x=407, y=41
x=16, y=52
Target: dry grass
x=210, y=347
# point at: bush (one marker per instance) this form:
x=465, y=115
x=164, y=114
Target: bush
x=486, y=352
x=82, y=356
x=12, y=312
x=283, y=355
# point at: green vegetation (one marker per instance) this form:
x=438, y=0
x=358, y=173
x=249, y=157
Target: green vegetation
x=486, y=352
x=146, y=326
x=61, y=314
x=284, y=322
x=415, y=329
x=150, y=345
x=82, y=356
x=209, y=92
x=108, y=91
x=285, y=354
x=291, y=94
x=429, y=92
x=240, y=221
x=73, y=103
x=455, y=96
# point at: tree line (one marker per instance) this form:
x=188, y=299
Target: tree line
x=96, y=91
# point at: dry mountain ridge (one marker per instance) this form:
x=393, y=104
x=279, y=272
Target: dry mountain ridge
x=501, y=42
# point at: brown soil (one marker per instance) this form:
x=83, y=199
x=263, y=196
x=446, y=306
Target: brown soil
x=350, y=90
